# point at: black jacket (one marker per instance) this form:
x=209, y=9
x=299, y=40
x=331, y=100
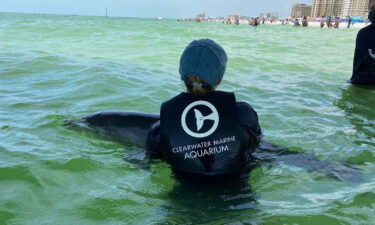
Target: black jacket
x=364, y=57
x=246, y=114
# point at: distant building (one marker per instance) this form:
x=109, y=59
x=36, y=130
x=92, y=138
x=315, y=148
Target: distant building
x=268, y=15
x=301, y=10
x=201, y=16
x=323, y=8
x=233, y=16
x=265, y=15
x=354, y=8
x=274, y=16
x=341, y=8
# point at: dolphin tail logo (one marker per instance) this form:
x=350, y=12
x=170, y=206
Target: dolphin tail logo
x=200, y=118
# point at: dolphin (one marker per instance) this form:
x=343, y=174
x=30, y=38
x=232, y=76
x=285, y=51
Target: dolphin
x=127, y=126
x=132, y=128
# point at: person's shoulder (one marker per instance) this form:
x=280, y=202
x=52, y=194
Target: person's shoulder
x=172, y=100
x=224, y=94
x=367, y=30
x=244, y=106
x=248, y=117
x=247, y=114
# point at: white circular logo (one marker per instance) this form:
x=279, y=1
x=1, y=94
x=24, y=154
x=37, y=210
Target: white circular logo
x=200, y=119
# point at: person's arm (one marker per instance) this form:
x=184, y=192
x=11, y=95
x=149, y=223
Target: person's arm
x=363, y=64
x=249, y=118
x=357, y=56
x=356, y=65
x=153, y=145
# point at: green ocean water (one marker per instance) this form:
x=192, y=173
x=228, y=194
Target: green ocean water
x=56, y=68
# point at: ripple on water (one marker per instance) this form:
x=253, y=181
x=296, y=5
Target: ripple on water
x=18, y=173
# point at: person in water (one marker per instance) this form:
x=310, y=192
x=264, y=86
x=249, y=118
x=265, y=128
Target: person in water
x=251, y=22
x=337, y=23
x=329, y=22
x=349, y=21
x=204, y=132
x=305, y=22
x=364, y=55
x=296, y=23
x=321, y=23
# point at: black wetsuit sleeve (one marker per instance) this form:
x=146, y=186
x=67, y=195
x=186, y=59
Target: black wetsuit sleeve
x=363, y=64
x=358, y=54
x=153, y=144
x=249, y=118
x=357, y=57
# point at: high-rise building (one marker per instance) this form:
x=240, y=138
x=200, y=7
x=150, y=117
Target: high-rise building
x=340, y=8
x=301, y=10
x=354, y=8
x=269, y=15
x=274, y=16
x=323, y=8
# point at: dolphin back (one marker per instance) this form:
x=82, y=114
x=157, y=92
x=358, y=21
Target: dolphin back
x=130, y=127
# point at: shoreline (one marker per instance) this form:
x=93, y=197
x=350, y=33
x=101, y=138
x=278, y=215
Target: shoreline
x=317, y=24
x=242, y=22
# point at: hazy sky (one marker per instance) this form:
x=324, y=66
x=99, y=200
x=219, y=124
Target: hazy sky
x=151, y=8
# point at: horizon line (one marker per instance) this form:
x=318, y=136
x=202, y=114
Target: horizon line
x=68, y=14
x=151, y=17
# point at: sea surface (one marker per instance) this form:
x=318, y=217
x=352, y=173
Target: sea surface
x=55, y=68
